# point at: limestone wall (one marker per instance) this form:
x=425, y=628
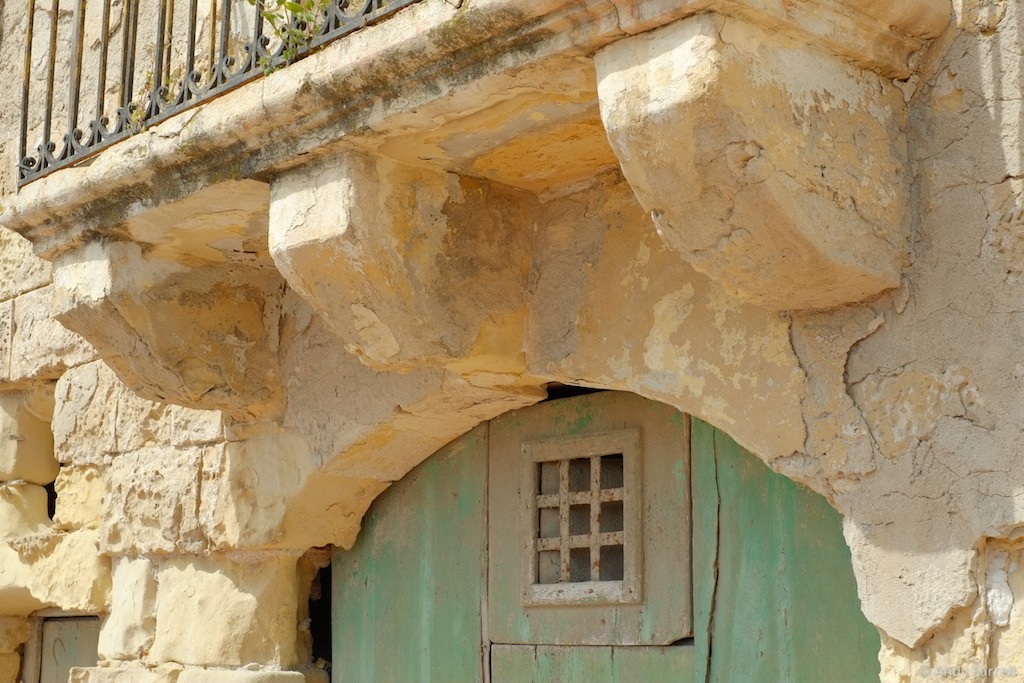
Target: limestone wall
x=939, y=383
x=44, y=561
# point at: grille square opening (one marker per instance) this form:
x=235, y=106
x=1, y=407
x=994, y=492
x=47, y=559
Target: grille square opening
x=579, y=535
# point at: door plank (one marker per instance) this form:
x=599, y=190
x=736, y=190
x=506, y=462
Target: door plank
x=670, y=664
x=67, y=643
x=513, y=664
x=705, y=540
x=785, y=607
x=406, y=598
x=558, y=664
x=571, y=664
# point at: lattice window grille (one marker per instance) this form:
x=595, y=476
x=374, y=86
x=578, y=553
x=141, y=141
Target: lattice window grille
x=583, y=519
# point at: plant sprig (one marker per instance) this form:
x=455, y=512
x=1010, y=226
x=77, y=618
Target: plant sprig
x=293, y=22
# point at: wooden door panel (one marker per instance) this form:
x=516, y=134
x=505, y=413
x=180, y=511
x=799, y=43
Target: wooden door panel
x=67, y=642
x=775, y=596
x=774, y=599
x=569, y=664
x=660, y=614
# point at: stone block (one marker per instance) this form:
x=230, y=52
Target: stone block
x=129, y=629
x=199, y=337
x=151, y=502
x=125, y=674
x=780, y=173
x=189, y=427
x=6, y=330
x=97, y=416
x=79, y=497
x=47, y=570
x=88, y=405
x=40, y=346
x=379, y=248
x=22, y=510
x=26, y=443
x=20, y=269
x=248, y=611
x=266, y=493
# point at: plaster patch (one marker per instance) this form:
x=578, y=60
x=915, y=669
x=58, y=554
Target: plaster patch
x=998, y=595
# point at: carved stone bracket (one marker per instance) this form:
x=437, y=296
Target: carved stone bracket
x=183, y=308
x=781, y=176
x=410, y=267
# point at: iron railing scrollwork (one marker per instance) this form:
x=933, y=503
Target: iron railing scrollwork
x=147, y=60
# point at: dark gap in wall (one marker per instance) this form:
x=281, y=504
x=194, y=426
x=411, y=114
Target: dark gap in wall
x=320, y=616
x=557, y=390
x=51, y=499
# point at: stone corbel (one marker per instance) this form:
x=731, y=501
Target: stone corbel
x=410, y=267
x=775, y=167
x=184, y=308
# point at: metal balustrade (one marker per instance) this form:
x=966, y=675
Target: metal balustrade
x=147, y=60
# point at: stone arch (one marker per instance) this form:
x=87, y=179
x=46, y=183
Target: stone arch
x=384, y=364
x=441, y=512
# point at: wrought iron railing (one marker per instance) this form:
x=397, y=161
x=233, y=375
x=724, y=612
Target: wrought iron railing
x=146, y=60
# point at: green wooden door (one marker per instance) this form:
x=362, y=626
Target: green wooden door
x=774, y=598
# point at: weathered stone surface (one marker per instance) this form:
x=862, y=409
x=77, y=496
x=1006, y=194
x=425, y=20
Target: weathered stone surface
x=368, y=423
x=383, y=259
x=22, y=510
x=613, y=307
x=151, y=501
x=6, y=330
x=13, y=632
x=247, y=486
x=126, y=674
x=79, y=497
x=97, y=416
x=20, y=270
x=129, y=630
x=149, y=325
x=215, y=676
x=946, y=364
x=248, y=610
x=10, y=665
x=753, y=164
x=41, y=348
x=26, y=442
x=839, y=451
x=53, y=570
x=1002, y=587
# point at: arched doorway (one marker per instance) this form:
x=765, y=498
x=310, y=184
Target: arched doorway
x=601, y=537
